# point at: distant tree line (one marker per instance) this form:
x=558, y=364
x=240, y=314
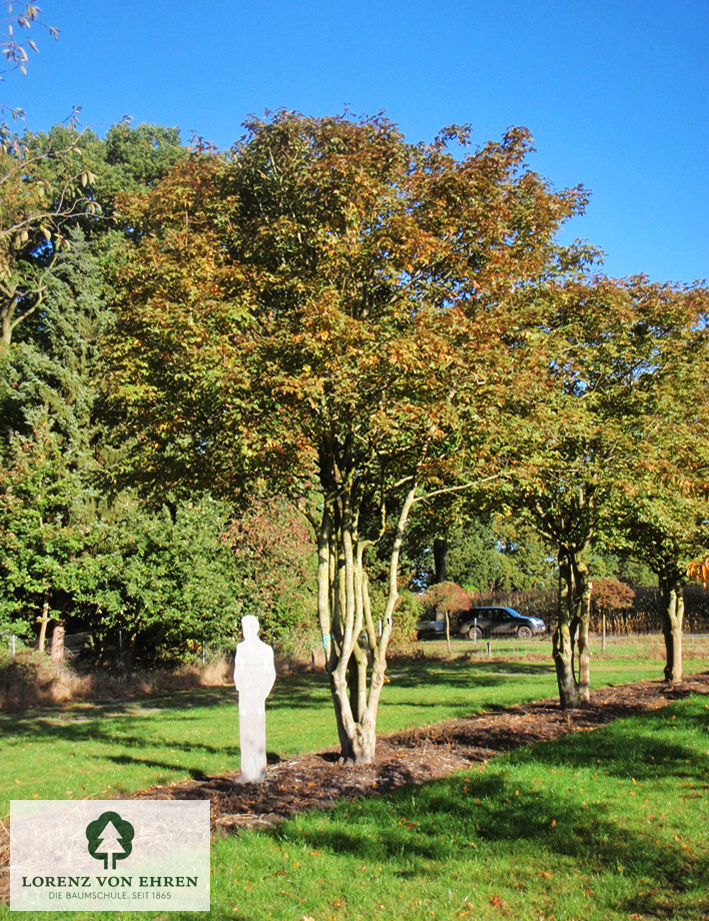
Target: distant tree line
x=168, y=570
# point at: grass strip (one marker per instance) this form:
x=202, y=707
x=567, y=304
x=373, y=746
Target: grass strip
x=599, y=826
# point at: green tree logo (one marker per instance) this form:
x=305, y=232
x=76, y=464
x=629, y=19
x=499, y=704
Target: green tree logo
x=110, y=838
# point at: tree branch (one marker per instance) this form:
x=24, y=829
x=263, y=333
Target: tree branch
x=449, y=489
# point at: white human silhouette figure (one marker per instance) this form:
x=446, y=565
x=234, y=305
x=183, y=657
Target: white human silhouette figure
x=254, y=674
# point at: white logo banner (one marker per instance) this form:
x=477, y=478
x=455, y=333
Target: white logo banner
x=109, y=855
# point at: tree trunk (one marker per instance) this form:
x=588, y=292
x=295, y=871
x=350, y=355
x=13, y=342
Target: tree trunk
x=7, y=312
x=563, y=639
x=440, y=560
x=57, y=649
x=582, y=605
x=672, y=615
x=356, y=668
x=41, y=642
x=5, y=336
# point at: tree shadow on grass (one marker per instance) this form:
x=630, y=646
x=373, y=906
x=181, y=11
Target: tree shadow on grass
x=125, y=760
x=507, y=815
x=26, y=721
x=439, y=821
x=620, y=750
x=291, y=692
x=294, y=690
x=297, y=694
x=129, y=748
x=463, y=672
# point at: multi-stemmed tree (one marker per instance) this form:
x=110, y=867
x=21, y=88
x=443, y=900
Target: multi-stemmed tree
x=611, y=442
x=325, y=310
x=561, y=439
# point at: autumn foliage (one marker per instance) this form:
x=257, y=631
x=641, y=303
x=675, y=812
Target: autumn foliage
x=447, y=598
x=381, y=334
x=326, y=311
x=699, y=571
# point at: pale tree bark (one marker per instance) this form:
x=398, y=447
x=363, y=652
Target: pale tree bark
x=448, y=632
x=44, y=622
x=355, y=647
x=582, y=619
x=8, y=306
x=672, y=616
x=57, y=648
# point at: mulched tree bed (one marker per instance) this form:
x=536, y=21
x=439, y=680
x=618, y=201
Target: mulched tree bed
x=317, y=781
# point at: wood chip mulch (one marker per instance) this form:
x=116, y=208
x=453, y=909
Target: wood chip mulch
x=317, y=781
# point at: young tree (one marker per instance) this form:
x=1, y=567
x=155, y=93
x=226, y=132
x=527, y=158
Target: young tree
x=559, y=444
x=660, y=510
x=612, y=600
x=583, y=439
x=321, y=311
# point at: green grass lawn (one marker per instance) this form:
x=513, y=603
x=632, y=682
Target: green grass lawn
x=85, y=750
x=598, y=826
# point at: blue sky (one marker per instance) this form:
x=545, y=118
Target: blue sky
x=615, y=92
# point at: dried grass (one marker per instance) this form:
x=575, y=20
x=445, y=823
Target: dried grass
x=33, y=680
